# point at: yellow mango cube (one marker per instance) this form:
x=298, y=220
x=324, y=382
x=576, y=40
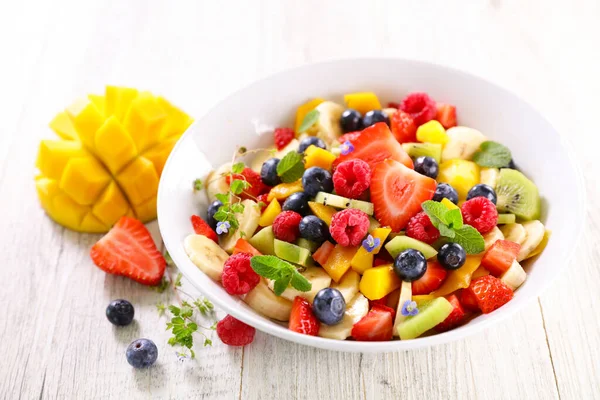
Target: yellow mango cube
x=362, y=102
x=158, y=154
x=270, y=213
x=98, y=101
x=459, y=278
x=363, y=259
x=111, y=205
x=318, y=157
x=86, y=119
x=67, y=211
x=83, y=179
x=422, y=298
x=145, y=120
x=92, y=224
x=61, y=124
x=177, y=121
x=322, y=211
x=305, y=109
x=139, y=180
x=338, y=262
x=462, y=175
x=377, y=282
x=449, y=205
x=147, y=210
x=117, y=101
x=113, y=145
x=53, y=156
x=284, y=190
x=432, y=132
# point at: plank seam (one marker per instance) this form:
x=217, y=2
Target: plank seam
x=242, y=373
x=549, y=349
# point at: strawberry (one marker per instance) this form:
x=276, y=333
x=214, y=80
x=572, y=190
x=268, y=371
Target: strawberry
x=350, y=136
x=403, y=127
x=202, y=228
x=282, y=137
x=375, y=144
x=242, y=246
x=455, y=318
x=446, y=115
x=468, y=301
x=397, y=193
x=490, y=293
x=500, y=256
x=129, y=250
x=433, y=278
x=377, y=325
x=323, y=252
x=257, y=187
x=302, y=319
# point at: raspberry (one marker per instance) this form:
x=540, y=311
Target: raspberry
x=420, y=106
x=263, y=198
x=256, y=188
x=285, y=226
x=420, y=227
x=234, y=332
x=238, y=277
x=403, y=127
x=480, y=213
x=349, y=227
x=351, y=178
x=283, y=136
x=393, y=104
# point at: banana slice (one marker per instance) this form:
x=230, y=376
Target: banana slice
x=463, y=143
x=328, y=126
x=315, y=275
x=206, y=255
x=348, y=285
x=492, y=236
x=514, y=232
x=248, y=221
x=263, y=300
x=489, y=176
x=535, y=234
x=514, y=276
x=405, y=295
x=355, y=310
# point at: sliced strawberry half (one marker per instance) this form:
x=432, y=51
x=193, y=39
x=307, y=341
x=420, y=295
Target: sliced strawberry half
x=377, y=325
x=397, y=193
x=242, y=246
x=375, y=144
x=323, y=252
x=500, y=256
x=446, y=115
x=202, y=228
x=433, y=278
x=490, y=293
x=468, y=300
x=129, y=250
x=302, y=319
x=455, y=318
x=350, y=136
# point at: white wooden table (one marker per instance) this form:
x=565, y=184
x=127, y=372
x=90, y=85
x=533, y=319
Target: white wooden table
x=55, y=340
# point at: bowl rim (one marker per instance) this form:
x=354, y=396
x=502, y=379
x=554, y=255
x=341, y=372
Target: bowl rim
x=395, y=345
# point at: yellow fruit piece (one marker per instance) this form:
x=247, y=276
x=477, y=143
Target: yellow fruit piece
x=145, y=120
x=459, y=278
x=117, y=101
x=339, y=261
x=284, y=190
x=111, y=205
x=86, y=119
x=363, y=259
x=53, y=156
x=462, y=175
x=147, y=210
x=92, y=224
x=177, y=121
x=318, y=157
x=322, y=211
x=422, y=298
x=84, y=179
x=377, y=282
x=139, y=180
x=62, y=125
x=449, y=205
x=158, y=154
x=362, y=102
x=270, y=213
x=542, y=244
x=113, y=145
x=479, y=272
x=432, y=132
x=98, y=101
x=305, y=109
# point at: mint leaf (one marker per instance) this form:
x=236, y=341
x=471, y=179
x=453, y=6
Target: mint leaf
x=469, y=239
x=454, y=219
x=309, y=120
x=445, y=231
x=267, y=266
x=222, y=197
x=299, y=282
x=237, y=208
x=197, y=184
x=436, y=212
x=492, y=155
x=291, y=167
x=282, y=283
x=238, y=186
x=237, y=168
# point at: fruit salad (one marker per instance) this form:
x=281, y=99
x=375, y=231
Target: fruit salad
x=369, y=223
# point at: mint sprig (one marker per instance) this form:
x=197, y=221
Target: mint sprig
x=291, y=167
x=282, y=272
x=492, y=155
x=309, y=120
x=450, y=224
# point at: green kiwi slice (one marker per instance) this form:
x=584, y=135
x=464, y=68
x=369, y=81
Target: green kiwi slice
x=430, y=314
x=517, y=195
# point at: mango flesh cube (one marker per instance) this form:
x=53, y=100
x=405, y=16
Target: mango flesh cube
x=322, y=211
x=92, y=224
x=339, y=261
x=462, y=175
x=318, y=157
x=144, y=121
x=113, y=145
x=284, y=190
x=53, y=156
x=67, y=212
x=363, y=259
x=83, y=179
x=139, y=180
x=98, y=101
x=111, y=205
x=270, y=213
x=61, y=124
x=377, y=282
x=305, y=109
x=158, y=154
x=449, y=205
x=117, y=101
x=362, y=102
x=147, y=210
x=432, y=132
x=177, y=121
x=459, y=278
x=86, y=119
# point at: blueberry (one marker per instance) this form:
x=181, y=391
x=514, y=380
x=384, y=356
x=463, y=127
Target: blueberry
x=120, y=312
x=329, y=306
x=314, y=228
x=141, y=353
x=210, y=213
x=445, y=191
x=375, y=116
x=427, y=166
x=452, y=256
x=317, y=180
x=410, y=265
x=311, y=140
x=482, y=190
x=268, y=172
x=297, y=202
x=351, y=121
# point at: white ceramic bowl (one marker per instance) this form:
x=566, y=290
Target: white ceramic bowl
x=537, y=148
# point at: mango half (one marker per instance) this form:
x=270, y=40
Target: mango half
x=108, y=158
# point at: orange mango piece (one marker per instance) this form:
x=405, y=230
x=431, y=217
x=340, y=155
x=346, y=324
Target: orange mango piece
x=145, y=120
x=377, y=282
x=459, y=278
x=362, y=102
x=270, y=213
x=339, y=261
x=322, y=211
x=284, y=190
x=363, y=259
x=318, y=157
x=305, y=109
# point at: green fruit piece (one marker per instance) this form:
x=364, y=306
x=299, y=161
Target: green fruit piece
x=336, y=201
x=264, y=241
x=307, y=244
x=373, y=224
x=504, y=219
x=400, y=243
x=415, y=150
x=517, y=195
x=292, y=253
x=430, y=314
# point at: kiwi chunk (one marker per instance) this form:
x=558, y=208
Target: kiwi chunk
x=517, y=195
x=336, y=201
x=292, y=253
x=504, y=219
x=264, y=241
x=415, y=150
x=430, y=314
x=400, y=243
x=307, y=244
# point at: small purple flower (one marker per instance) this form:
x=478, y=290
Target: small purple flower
x=347, y=147
x=371, y=243
x=409, y=308
x=223, y=227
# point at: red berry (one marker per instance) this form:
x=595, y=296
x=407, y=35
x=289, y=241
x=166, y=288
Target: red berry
x=420, y=227
x=446, y=115
x=403, y=127
x=283, y=136
x=380, y=261
x=350, y=136
x=263, y=198
x=234, y=332
x=256, y=185
x=420, y=107
x=490, y=293
x=202, y=228
x=302, y=319
x=238, y=277
x=468, y=300
x=480, y=213
x=242, y=246
x=349, y=227
x=285, y=226
x=393, y=104
x=500, y=256
x=432, y=280
x=322, y=254
x=377, y=325
x=351, y=178
x=455, y=318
